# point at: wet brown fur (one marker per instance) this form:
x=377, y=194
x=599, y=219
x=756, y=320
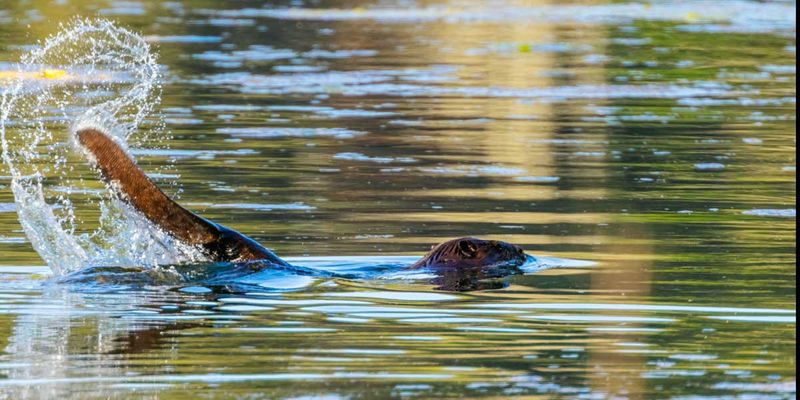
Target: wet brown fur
x=456, y=260
x=132, y=186
x=471, y=252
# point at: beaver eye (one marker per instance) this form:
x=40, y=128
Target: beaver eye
x=468, y=249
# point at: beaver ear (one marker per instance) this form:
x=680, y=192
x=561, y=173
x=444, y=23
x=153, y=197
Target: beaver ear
x=467, y=248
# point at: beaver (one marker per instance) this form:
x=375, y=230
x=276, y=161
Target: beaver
x=459, y=264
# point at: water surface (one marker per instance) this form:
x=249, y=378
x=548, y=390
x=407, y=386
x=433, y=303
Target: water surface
x=652, y=148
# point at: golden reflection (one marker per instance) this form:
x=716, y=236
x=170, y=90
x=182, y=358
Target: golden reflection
x=632, y=279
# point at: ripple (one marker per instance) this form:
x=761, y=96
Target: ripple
x=598, y=318
x=201, y=154
x=377, y=352
x=633, y=307
x=345, y=309
x=766, y=212
x=449, y=320
x=196, y=290
x=227, y=107
x=742, y=16
x=286, y=330
x=11, y=239
x=364, y=158
x=275, y=132
x=403, y=296
x=244, y=308
x=709, y=166
x=474, y=170
x=247, y=300
x=264, y=207
x=755, y=318
x=383, y=82
x=334, y=113
x=419, y=338
x=693, y=357
x=184, y=39
x=491, y=329
x=537, y=179
x=223, y=378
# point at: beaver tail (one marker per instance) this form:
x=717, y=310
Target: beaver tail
x=130, y=184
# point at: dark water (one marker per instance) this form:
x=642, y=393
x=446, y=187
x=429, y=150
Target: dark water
x=654, y=146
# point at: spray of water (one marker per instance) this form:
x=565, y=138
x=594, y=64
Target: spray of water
x=111, y=82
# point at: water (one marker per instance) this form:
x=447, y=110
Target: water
x=647, y=151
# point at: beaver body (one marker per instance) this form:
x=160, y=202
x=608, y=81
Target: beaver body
x=453, y=261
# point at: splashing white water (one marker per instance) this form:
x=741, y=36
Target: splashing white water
x=114, y=85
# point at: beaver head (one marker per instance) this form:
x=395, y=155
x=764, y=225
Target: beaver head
x=472, y=258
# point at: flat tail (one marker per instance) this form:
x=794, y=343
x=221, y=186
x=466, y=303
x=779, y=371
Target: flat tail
x=134, y=187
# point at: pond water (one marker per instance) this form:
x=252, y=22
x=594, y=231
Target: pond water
x=646, y=151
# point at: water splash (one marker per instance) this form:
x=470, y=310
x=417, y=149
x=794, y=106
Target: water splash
x=114, y=85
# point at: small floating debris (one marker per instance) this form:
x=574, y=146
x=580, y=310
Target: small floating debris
x=765, y=212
